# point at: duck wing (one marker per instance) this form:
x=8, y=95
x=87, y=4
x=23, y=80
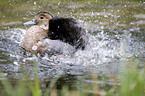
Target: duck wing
x=67, y=30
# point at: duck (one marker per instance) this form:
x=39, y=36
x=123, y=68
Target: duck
x=54, y=34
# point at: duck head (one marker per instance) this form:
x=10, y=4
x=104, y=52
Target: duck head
x=41, y=18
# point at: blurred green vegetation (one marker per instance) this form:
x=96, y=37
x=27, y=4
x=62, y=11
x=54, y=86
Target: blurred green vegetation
x=131, y=84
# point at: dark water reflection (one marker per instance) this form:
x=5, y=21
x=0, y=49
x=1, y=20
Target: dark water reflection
x=112, y=30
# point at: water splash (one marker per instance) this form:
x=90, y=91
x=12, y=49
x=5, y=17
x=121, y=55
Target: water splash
x=102, y=54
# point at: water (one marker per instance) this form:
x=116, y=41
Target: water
x=113, y=33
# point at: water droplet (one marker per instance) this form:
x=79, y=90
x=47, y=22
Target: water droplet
x=131, y=30
x=16, y=63
x=34, y=48
x=105, y=16
x=59, y=3
x=34, y=3
x=92, y=13
x=118, y=16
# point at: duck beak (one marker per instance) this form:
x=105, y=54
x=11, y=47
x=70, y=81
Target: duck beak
x=32, y=22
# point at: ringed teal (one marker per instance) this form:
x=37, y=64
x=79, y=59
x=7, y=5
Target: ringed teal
x=53, y=31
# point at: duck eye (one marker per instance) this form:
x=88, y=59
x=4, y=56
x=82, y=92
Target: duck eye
x=41, y=17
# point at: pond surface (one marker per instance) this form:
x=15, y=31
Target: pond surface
x=115, y=28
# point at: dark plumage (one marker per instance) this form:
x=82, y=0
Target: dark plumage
x=67, y=30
